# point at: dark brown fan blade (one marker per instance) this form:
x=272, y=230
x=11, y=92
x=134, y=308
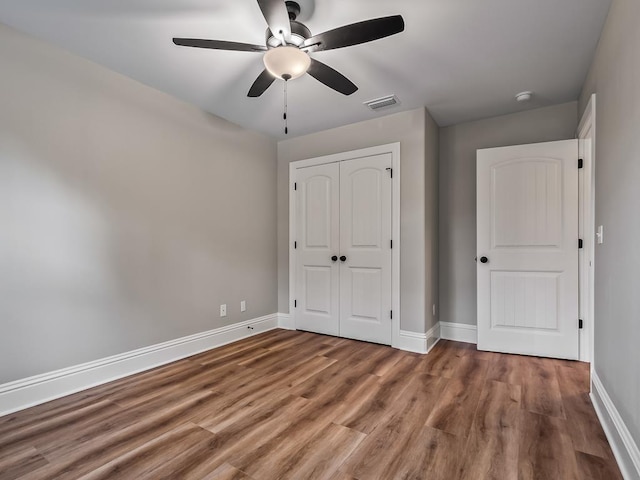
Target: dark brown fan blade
x=355, y=34
x=218, y=45
x=277, y=17
x=331, y=78
x=264, y=81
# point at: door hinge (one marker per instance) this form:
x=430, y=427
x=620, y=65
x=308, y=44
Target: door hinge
x=580, y=323
x=580, y=243
x=295, y=244
x=390, y=170
x=295, y=304
x=391, y=314
x=391, y=243
x=580, y=163
x=295, y=186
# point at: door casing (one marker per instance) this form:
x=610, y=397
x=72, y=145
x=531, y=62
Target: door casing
x=587, y=143
x=394, y=150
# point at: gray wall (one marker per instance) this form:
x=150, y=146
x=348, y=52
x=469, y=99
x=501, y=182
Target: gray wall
x=614, y=77
x=458, y=145
x=431, y=158
x=409, y=129
x=126, y=216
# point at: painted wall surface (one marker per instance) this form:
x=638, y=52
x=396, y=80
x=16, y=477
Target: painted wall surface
x=614, y=77
x=457, y=173
x=431, y=157
x=408, y=128
x=126, y=216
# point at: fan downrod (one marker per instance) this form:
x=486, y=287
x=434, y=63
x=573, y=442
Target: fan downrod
x=293, y=8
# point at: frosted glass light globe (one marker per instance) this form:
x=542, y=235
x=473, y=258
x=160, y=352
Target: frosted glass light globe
x=286, y=62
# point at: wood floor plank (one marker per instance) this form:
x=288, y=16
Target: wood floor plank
x=456, y=407
x=509, y=369
x=471, y=368
x=545, y=450
x=584, y=428
x=383, y=364
x=443, y=360
x=224, y=472
x=92, y=455
x=321, y=457
x=390, y=438
x=492, y=449
x=143, y=461
x=429, y=454
x=20, y=462
x=287, y=404
x=541, y=391
x=364, y=412
x=266, y=460
x=241, y=439
x=592, y=467
x=53, y=429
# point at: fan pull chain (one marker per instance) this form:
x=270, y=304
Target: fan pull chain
x=286, y=121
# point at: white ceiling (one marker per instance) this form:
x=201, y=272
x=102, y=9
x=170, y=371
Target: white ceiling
x=462, y=59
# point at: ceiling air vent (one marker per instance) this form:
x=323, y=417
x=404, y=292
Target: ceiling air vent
x=383, y=102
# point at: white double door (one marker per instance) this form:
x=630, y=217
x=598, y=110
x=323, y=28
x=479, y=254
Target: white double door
x=343, y=248
x=527, y=226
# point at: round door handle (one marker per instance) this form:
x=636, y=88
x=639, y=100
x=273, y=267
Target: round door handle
x=343, y=258
x=484, y=260
x=334, y=258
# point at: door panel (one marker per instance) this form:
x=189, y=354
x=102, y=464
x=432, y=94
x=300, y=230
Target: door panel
x=365, y=236
x=527, y=224
x=317, y=225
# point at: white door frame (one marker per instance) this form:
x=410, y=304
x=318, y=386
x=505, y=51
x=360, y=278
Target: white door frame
x=394, y=150
x=586, y=133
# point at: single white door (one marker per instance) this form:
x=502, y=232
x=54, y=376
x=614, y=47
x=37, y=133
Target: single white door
x=527, y=246
x=317, y=248
x=365, y=248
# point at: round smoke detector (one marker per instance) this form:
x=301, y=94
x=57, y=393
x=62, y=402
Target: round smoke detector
x=524, y=96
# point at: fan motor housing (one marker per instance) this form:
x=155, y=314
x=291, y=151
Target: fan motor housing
x=299, y=33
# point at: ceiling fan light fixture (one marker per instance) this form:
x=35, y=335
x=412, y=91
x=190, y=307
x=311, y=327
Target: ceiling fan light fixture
x=286, y=62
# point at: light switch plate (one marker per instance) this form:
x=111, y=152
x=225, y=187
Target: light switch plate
x=600, y=235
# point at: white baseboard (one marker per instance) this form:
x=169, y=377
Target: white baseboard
x=624, y=447
x=419, y=342
x=459, y=332
x=433, y=337
x=285, y=320
x=27, y=392
x=412, y=342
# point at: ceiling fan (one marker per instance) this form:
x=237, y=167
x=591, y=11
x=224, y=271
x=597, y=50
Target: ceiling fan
x=289, y=43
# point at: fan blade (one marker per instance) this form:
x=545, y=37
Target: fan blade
x=355, y=34
x=264, y=81
x=277, y=17
x=218, y=45
x=331, y=78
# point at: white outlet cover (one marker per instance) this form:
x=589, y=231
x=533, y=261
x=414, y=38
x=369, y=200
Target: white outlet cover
x=223, y=310
x=243, y=306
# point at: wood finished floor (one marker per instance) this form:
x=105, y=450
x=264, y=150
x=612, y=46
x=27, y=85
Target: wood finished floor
x=295, y=405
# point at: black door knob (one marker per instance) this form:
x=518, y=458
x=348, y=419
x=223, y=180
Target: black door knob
x=343, y=258
x=334, y=258
x=484, y=259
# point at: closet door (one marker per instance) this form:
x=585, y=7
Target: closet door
x=318, y=246
x=365, y=248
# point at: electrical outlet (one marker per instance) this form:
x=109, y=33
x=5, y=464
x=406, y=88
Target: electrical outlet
x=243, y=306
x=600, y=235
x=223, y=310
